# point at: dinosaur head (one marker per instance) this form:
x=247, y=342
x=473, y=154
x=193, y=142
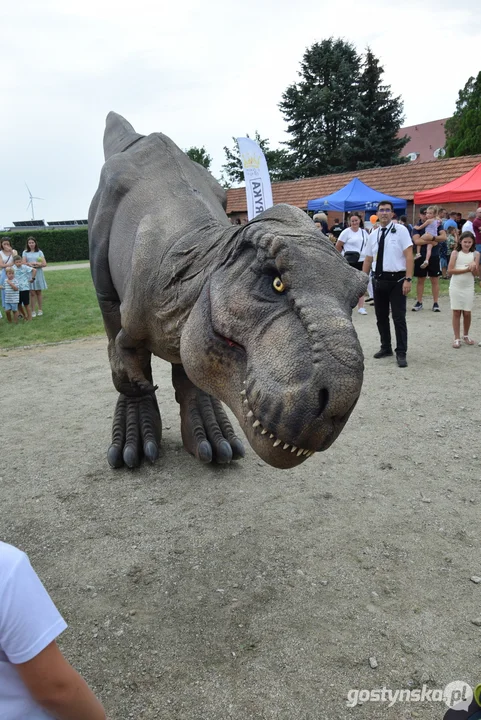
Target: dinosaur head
x=271, y=336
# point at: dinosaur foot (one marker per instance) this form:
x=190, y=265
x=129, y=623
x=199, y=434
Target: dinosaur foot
x=136, y=431
x=206, y=430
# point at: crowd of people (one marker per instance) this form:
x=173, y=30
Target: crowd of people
x=22, y=280
x=439, y=245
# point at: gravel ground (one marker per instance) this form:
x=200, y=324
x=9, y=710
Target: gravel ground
x=208, y=593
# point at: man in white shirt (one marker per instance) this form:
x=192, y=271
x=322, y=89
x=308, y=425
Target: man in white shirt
x=390, y=249
x=468, y=225
x=36, y=681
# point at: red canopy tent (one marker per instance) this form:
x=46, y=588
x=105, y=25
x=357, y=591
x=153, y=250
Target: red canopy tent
x=462, y=189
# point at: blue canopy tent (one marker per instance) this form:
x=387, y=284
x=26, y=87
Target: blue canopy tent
x=356, y=195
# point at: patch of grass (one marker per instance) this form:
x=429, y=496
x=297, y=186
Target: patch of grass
x=70, y=311
x=443, y=288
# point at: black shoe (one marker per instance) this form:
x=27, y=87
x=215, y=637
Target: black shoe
x=436, y=308
x=401, y=360
x=383, y=353
x=417, y=307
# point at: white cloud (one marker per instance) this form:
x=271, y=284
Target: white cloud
x=200, y=73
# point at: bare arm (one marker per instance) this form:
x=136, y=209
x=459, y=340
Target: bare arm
x=476, y=264
x=58, y=688
x=452, y=270
x=423, y=225
x=367, y=264
x=409, y=255
x=452, y=262
x=439, y=238
x=339, y=245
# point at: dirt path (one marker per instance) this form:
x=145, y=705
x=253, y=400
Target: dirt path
x=73, y=266
x=199, y=593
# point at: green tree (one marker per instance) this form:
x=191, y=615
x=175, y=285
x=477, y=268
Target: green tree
x=278, y=162
x=199, y=155
x=319, y=109
x=463, y=130
x=378, y=117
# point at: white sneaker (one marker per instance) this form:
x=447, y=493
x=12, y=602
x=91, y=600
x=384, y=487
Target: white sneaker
x=34, y=314
x=40, y=312
x=362, y=311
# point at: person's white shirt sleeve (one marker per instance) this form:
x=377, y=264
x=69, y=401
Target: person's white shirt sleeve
x=369, y=245
x=345, y=235
x=406, y=240
x=29, y=620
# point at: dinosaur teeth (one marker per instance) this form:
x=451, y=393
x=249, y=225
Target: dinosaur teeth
x=286, y=446
x=243, y=392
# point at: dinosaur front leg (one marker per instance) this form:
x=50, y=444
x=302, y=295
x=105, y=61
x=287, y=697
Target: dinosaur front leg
x=137, y=425
x=206, y=430
x=136, y=430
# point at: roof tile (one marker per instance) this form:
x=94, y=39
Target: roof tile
x=399, y=180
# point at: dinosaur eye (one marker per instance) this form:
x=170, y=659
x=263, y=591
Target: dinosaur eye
x=278, y=285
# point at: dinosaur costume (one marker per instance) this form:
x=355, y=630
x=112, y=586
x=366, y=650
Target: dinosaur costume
x=257, y=316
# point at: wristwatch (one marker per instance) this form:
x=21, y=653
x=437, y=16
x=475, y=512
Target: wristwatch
x=408, y=279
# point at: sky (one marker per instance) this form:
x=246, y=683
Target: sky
x=201, y=73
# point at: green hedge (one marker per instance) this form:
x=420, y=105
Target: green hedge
x=56, y=245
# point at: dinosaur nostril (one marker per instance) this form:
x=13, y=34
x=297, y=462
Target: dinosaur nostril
x=323, y=399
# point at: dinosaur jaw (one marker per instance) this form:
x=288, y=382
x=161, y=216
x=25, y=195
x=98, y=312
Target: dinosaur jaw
x=274, y=450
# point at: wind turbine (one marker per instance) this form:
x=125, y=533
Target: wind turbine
x=32, y=198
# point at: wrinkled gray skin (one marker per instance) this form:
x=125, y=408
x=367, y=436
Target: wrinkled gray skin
x=256, y=316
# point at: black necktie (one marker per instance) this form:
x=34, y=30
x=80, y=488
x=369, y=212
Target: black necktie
x=380, y=253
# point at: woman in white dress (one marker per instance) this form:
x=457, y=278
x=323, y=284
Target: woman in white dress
x=463, y=268
x=352, y=244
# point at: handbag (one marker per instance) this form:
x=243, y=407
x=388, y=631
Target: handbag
x=351, y=256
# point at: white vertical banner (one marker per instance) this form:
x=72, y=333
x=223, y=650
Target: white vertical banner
x=256, y=175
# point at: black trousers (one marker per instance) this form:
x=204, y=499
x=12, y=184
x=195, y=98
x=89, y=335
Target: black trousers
x=388, y=294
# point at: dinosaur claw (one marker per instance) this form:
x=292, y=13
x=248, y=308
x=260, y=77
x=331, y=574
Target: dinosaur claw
x=151, y=451
x=114, y=456
x=204, y=451
x=223, y=452
x=131, y=456
x=238, y=449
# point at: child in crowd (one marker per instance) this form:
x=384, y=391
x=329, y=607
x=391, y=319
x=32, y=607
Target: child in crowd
x=11, y=295
x=463, y=268
x=451, y=241
x=430, y=227
x=24, y=275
